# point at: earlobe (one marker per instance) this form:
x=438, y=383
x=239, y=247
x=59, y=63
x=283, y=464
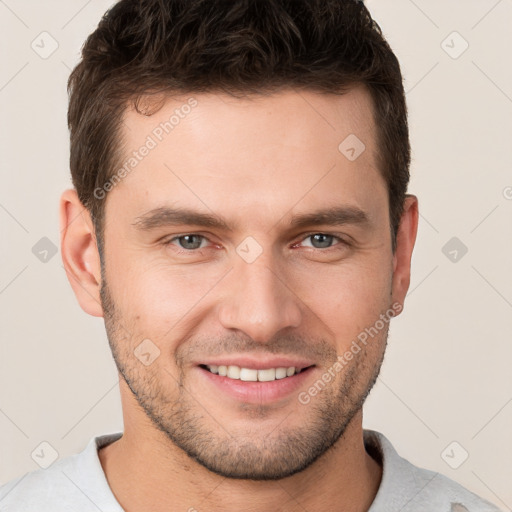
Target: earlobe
x=80, y=254
x=405, y=240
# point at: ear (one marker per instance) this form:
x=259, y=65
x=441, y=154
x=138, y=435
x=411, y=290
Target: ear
x=80, y=253
x=406, y=237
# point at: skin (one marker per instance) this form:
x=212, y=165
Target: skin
x=256, y=162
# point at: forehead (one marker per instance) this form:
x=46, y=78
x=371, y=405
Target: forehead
x=293, y=114
x=260, y=153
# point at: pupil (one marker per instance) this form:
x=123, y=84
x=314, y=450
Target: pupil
x=188, y=243
x=323, y=243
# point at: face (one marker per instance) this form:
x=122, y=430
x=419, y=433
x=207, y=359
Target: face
x=245, y=241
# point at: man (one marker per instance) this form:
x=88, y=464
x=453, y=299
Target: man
x=241, y=222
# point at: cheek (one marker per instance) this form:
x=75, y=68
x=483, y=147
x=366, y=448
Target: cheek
x=157, y=297
x=348, y=298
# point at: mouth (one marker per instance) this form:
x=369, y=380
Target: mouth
x=256, y=382
x=254, y=374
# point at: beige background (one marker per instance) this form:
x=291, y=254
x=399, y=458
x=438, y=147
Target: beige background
x=447, y=374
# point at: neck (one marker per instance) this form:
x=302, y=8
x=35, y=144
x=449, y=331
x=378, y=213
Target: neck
x=146, y=472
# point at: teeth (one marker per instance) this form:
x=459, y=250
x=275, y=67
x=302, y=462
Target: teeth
x=280, y=373
x=233, y=372
x=248, y=375
x=252, y=375
x=267, y=375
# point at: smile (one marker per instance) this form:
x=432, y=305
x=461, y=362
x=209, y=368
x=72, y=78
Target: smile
x=252, y=374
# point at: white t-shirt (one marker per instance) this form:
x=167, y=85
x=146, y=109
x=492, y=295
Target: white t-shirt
x=77, y=483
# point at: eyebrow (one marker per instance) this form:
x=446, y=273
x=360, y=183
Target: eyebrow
x=335, y=216
x=164, y=216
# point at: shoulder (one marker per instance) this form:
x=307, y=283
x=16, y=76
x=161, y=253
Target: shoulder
x=37, y=488
x=74, y=483
x=408, y=488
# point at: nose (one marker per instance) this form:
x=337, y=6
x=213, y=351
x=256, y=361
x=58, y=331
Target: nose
x=258, y=301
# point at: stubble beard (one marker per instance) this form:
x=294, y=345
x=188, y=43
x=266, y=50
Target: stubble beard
x=235, y=453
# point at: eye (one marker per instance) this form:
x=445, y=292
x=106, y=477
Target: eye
x=322, y=240
x=193, y=242
x=189, y=242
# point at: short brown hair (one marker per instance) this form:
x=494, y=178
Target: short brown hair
x=233, y=46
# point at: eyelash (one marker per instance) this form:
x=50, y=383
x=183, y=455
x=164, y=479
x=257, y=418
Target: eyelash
x=181, y=251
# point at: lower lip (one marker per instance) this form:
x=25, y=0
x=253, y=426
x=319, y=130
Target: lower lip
x=258, y=392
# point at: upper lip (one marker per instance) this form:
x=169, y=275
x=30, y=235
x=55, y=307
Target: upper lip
x=260, y=363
